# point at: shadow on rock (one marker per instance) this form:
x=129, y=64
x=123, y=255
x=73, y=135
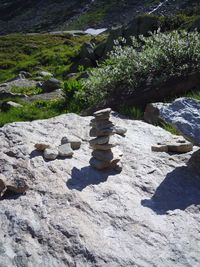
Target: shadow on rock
x=9, y=195
x=179, y=190
x=86, y=176
x=35, y=153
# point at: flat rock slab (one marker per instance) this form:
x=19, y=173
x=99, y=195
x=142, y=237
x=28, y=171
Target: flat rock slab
x=73, y=215
x=19, y=83
x=57, y=94
x=177, y=145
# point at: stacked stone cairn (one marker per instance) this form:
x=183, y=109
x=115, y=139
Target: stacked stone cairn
x=104, y=154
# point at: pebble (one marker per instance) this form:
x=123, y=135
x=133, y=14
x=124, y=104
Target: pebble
x=50, y=153
x=42, y=146
x=65, y=150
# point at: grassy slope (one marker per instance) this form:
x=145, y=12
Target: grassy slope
x=53, y=53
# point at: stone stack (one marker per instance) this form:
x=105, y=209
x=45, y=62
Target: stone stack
x=104, y=154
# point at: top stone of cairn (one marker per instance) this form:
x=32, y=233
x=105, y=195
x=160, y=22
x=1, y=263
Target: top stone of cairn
x=102, y=114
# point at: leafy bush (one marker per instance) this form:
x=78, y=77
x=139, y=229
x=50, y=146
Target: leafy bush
x=148, y=62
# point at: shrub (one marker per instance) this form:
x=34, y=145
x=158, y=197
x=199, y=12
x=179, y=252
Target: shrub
x=149, y=61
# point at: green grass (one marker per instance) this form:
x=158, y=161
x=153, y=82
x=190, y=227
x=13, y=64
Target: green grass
x=53, y=53
x=33, y=111
x=169, y=128
x=32, y=53
x=194, y=95
x=132, y=112
x=30, y=90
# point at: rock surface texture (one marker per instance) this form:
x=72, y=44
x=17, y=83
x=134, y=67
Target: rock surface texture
x=74, y=215
x=183, y=113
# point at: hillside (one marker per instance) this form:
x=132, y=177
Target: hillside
x=48, y=15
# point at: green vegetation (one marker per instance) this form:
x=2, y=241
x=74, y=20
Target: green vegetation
x=97, y=13
x=71, y=89
x=29, y=90
x=169, y=128
x=53, y=53
x=149, y=61
x=132, y=112
x=194, y=95
x=37, y=110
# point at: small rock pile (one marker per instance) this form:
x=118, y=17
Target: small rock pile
x=177, y=145
x=68, y=144
x=103, y=155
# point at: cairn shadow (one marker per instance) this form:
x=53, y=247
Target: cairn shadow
x=179, y=190
x=86, y=176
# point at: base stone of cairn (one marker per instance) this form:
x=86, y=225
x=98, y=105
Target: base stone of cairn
x=104, y=154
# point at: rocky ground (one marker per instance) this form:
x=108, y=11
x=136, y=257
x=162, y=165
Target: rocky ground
x=73, y=215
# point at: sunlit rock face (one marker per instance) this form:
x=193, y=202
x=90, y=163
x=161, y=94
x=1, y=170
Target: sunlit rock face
x=74, y=215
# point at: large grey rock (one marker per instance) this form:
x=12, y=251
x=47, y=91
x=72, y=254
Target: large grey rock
x=6, y=88
x=57, y=94
x=87, y=51
x=73, y=215
x=183, y=113
x=51, y=85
